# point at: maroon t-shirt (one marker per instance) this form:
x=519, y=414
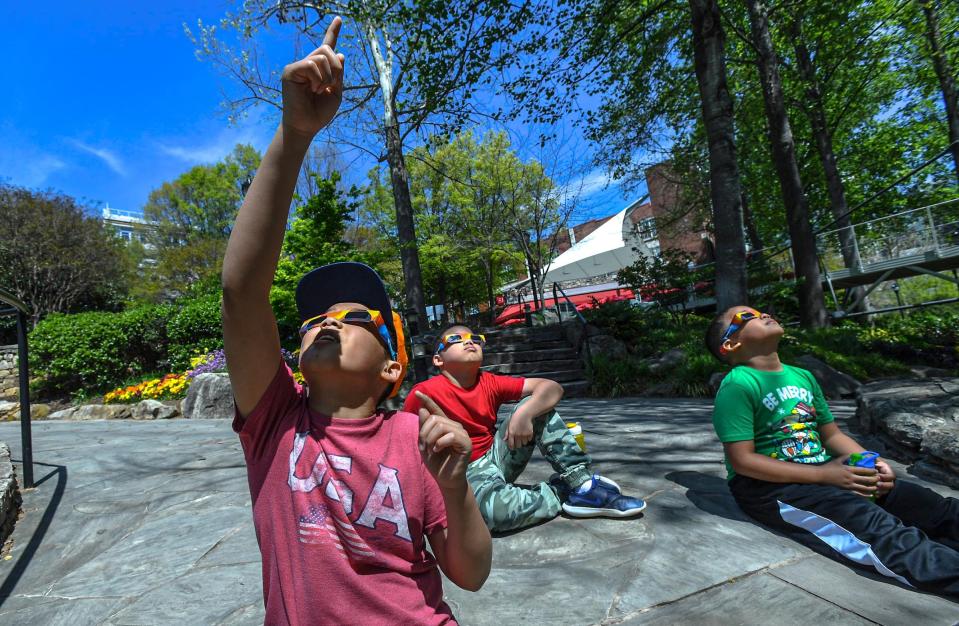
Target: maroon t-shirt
x=474, y=407
x=341, y=510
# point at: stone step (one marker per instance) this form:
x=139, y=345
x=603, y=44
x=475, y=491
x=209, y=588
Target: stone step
x=575, y=388
x=534, y=356
x=561, y=376
x=529, y=366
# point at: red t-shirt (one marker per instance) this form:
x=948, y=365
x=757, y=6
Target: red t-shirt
x=341, y=510
x=475, y=408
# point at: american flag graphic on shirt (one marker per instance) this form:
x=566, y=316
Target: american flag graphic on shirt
x=319, y=526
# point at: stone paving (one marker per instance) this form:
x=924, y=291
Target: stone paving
x=150, y=523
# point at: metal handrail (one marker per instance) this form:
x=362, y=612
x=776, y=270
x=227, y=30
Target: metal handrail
x=26, y=437
x=559, y=312
x=887, y=217
x=582, y=320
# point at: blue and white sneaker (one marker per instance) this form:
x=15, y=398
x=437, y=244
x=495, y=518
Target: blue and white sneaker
x=602, y=499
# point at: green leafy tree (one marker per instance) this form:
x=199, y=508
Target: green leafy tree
x=667, y=279
x=56, y=258
x=474, y=202
x=390, y=98
x=192, y=218
x=316, y=236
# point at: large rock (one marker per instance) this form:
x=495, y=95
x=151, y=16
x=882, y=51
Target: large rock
x=10, y=411
x=606, y=346
x=209, y=397
x=835, y=384
x=102, y=412
x=918, y=420
x=715, y=380
x=153, y=410
x=667, y=361
x=9, y=494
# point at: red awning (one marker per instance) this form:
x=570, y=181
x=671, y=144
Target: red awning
x=580, y=301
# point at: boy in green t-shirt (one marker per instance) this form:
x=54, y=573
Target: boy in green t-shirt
x=785, y=458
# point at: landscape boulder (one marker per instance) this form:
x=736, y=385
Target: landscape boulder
x=667, y=361
x=209, y=397
x=153, y=410
x=918, y=420
x=835, y=384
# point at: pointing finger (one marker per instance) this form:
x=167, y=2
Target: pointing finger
x=333, y=32
x=430, y=404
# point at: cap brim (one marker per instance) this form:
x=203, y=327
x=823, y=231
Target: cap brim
x=325, y=286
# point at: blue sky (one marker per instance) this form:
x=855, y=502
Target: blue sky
x=106, y=100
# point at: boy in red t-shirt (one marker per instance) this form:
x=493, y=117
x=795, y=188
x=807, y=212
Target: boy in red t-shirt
x=473, y=397
x=345, y=495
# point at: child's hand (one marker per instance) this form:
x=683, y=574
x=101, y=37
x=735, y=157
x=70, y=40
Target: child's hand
x=444, y=444
x=519, y=432
x=861, y=480
x=887, y=477
x=313, y=87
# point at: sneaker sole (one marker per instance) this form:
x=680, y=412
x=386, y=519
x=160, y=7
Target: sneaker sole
x=585, y=512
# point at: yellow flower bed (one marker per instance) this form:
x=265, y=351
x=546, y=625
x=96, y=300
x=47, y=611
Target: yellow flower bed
x=170, y=386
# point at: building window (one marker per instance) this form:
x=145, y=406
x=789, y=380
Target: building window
x=647, y=228
x=653, y=247
x=125, y=235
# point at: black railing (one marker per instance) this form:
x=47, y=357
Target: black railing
x=584, y=340
x=19, y=309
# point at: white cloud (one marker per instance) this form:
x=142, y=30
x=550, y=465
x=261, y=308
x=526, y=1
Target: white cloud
x=593, y=182
x=112, y=160
x=218, y=146
x=27, y=166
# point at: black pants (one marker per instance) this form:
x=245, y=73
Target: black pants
x=911, y=534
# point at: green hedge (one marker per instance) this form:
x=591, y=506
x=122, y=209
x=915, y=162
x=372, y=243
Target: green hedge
x=96, y=352
x=195, y=328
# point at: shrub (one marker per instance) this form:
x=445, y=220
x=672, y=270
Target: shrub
x=95, y=350
x=196, y=328
x=864, y=352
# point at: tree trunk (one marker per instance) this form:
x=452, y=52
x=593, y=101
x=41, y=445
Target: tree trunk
x=490, y=297
x=837, y=193
x=947, y=81
x=400, y=180
x=709, y=48
x=812, y=313
x=754, y=239
x=441, y=296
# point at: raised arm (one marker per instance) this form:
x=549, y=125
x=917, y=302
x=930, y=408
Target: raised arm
x=312, y=91
x=464, y=549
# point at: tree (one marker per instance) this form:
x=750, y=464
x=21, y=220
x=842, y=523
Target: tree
x=657, y=68
x=191, y=222
x=463, y=195
x=316, y=237
x=946, y=76
x=424, y=59
x=57, y=259
x=805, y=260
x=709, y=48
x=665, y=279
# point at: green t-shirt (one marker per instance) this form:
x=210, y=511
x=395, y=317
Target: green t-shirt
x=780, y=411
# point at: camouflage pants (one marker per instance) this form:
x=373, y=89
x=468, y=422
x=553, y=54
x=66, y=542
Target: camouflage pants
x=505, y=506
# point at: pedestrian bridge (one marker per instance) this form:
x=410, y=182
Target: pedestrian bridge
x=907, y=243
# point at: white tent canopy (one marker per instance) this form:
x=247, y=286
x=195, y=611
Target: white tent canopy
x=607, y=249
